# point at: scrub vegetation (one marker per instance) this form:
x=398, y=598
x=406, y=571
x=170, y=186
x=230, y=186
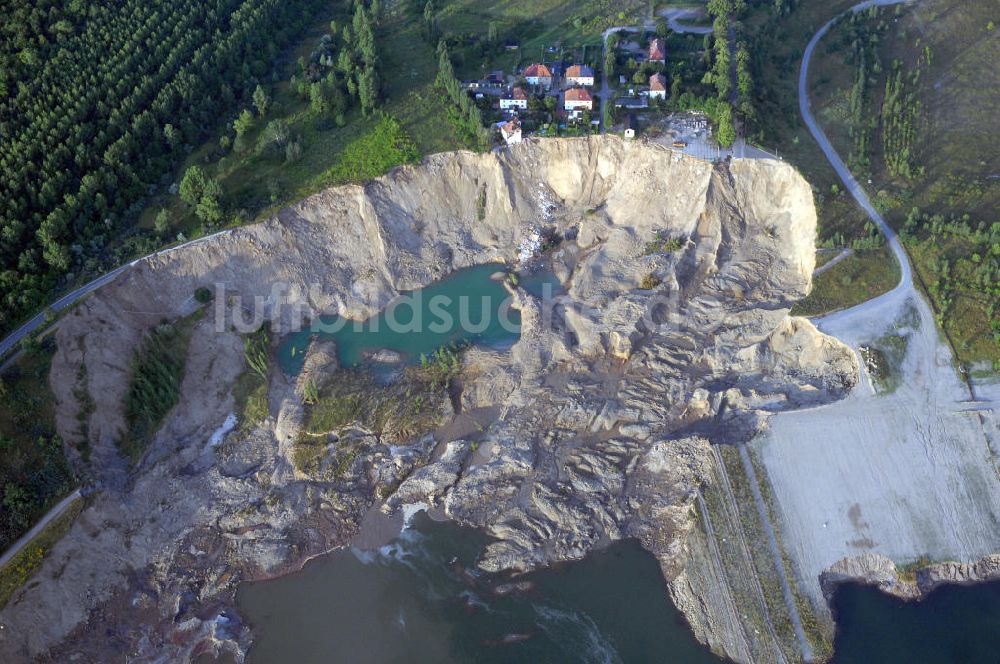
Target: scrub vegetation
x=23, y=566
x=394, y=412
x=34, y=474
x=250, y=389
x=154, y=388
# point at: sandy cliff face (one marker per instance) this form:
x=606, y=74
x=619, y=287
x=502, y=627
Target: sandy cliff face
x=598, y=422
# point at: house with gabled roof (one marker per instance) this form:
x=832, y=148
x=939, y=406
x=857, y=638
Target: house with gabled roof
x=657, y=86
x=517, y=99
x=580, y=75
x=576, y=100
x=657, y=50
x=538, y=74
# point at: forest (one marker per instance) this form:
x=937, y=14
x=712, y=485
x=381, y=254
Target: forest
x=98, y=101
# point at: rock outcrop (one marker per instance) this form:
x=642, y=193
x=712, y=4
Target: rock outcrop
x=597, y=422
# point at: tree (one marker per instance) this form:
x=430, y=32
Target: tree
x=365, y=37
x=172, y=135
x=368, y=90
x=276, y=133
x=429, y=27
x=209, y=208
x=243, y=123
x=162, y=222
x=727, y=130
x=318, y=102
x=192, y=185
x=261, y=101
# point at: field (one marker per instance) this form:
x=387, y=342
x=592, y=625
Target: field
x=868, y=271
x=913, y=109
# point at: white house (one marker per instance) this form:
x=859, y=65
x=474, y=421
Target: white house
x=518, y=99
x=578, y=75
x=657, y=86
x=577, y=100
x=538, y=74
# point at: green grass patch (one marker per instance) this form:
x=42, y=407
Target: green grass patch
x=154, y=386
x=381, y=148
x=856, y=279
x=23, y=566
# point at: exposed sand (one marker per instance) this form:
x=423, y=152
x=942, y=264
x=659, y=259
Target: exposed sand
x=904, y=474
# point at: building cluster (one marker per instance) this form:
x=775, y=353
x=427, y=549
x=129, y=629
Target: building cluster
x=565, y=92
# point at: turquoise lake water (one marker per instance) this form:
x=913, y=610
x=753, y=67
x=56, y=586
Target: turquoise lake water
x=420, y=599
x=464, y=307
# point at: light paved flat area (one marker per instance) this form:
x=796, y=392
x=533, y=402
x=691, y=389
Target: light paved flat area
x=904, y=474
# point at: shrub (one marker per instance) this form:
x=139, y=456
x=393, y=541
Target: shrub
x=203, y=295
x=649, y=282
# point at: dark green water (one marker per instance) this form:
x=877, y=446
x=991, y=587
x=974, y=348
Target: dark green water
x=465, y=307
x=952, y=625
x=420, y=599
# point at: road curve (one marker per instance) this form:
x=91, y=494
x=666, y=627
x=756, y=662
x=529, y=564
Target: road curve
x=61, y=507
x=905, y=286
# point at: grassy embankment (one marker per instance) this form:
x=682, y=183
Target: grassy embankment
x=908, y=94
x=763, y=563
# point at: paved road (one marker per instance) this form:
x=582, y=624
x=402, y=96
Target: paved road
x=905, y=287
x=15, y=337
x=63, y=505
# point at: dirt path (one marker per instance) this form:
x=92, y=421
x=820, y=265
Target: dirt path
x=843, y=255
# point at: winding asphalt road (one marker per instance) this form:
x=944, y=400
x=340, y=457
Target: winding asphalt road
x=905, y=287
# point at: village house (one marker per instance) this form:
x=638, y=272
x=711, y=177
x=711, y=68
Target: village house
x=657, y=86
x=538, y=74
x=657, y=50
x=577, y=100
x=631, y=125
x=511, y=131
x=518, y=99
x=580, y=75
